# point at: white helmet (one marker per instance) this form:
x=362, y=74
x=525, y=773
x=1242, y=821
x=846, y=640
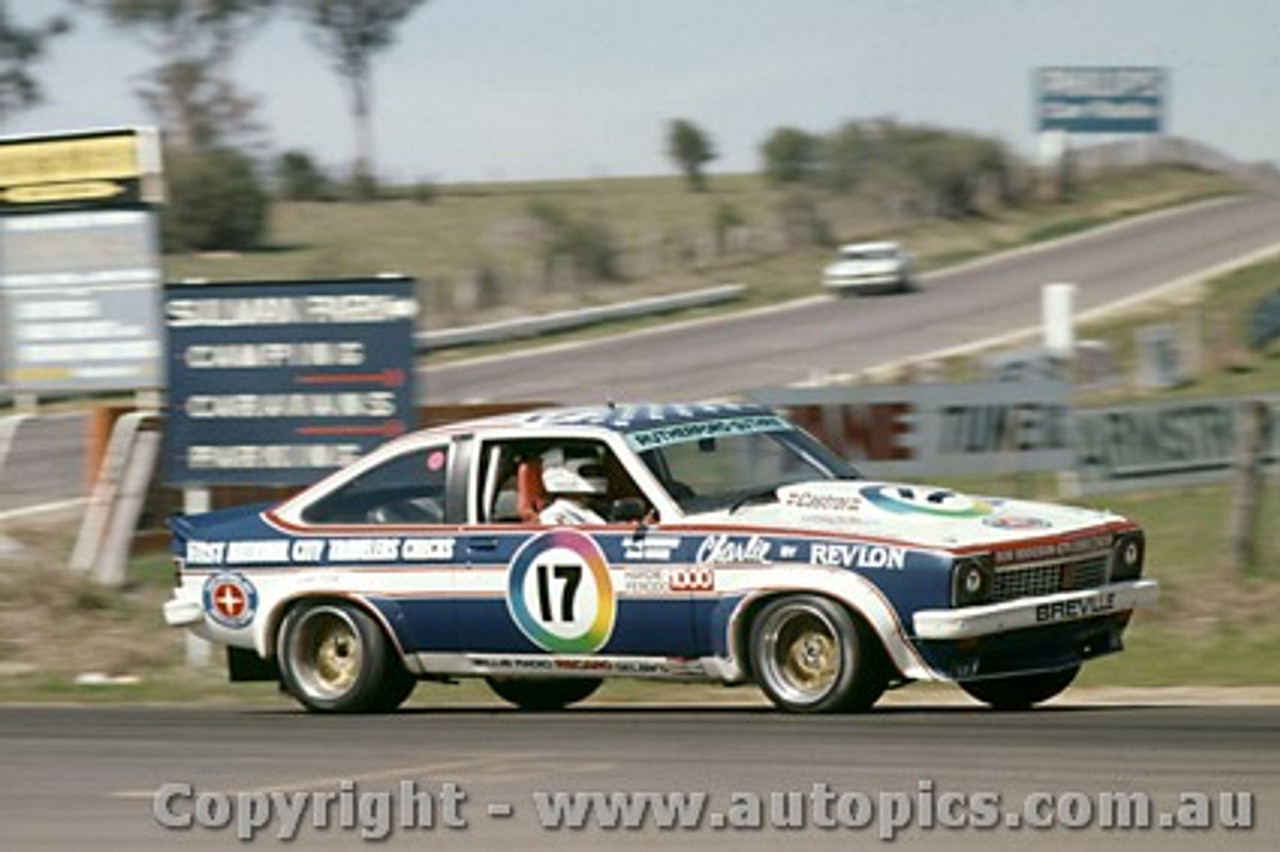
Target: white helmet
x=577, y=471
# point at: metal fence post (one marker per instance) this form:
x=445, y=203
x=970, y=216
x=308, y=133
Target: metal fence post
x=1253, y=432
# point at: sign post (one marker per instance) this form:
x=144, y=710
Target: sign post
x=1057, y=310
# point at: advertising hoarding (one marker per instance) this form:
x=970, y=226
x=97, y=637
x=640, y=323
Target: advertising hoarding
x=278, y=383
x=80, y=261
x=79, y=301
x=79, y=169
x=1104, y=99
x=936, y=429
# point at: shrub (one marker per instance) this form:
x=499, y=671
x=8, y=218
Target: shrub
x=588, y=242
x=300, y=179
x=216, y=202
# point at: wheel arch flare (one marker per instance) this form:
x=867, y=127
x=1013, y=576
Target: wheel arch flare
x=266, y=629
x=856, y=593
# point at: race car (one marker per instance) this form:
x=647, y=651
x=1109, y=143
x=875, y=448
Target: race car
x=714, y=543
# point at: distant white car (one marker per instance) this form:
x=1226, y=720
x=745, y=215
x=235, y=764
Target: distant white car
x=870, y=267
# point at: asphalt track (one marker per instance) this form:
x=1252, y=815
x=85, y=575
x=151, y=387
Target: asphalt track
x=42, y=459
x=88, y=777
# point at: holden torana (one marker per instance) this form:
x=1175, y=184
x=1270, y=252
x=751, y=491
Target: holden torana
x=547, y=550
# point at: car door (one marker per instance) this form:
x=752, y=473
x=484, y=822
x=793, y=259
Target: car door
x=532, y=588
x=393, y=535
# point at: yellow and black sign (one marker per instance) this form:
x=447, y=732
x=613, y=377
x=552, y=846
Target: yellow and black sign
x=76, y=170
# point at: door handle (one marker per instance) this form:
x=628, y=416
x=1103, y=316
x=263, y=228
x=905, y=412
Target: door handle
x=486, y=543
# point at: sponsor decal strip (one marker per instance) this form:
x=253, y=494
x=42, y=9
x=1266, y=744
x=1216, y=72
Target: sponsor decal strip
x=661, y=436
x=328, y=553
x=978, y=621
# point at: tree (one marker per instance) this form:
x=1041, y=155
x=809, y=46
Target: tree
x=845, y=156
x=190, y=92
x=350, y=33
x=917, y=170
x=20, y=48
x=791, y=156
x=690, y=148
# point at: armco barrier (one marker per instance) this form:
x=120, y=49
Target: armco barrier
x=565, y=320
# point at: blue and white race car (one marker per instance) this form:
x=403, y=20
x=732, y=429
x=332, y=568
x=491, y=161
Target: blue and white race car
x=545, y=551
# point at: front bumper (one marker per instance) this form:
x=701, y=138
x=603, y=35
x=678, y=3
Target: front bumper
x=182, y=611
x=977, y=621
x=869, y=282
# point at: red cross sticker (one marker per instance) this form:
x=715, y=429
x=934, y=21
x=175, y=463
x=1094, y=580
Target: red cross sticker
x=229, y=599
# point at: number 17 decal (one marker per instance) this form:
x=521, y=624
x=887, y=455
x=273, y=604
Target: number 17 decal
x=571, y=575
x=559, y=592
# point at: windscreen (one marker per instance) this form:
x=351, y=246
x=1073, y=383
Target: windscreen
x=712, y=465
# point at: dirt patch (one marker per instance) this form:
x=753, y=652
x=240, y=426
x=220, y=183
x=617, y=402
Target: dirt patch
x=61, y=624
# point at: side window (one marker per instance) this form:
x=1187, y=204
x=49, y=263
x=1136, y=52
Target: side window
x=501, y=497
x=500, y=464
x=407, y=489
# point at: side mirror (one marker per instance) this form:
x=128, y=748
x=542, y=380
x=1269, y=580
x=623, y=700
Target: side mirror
x=628, y=509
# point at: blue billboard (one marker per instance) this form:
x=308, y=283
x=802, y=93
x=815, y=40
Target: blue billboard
x=281, y=382
x=1101, y=99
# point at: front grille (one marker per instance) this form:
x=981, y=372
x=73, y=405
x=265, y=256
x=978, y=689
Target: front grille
x=1033, y=580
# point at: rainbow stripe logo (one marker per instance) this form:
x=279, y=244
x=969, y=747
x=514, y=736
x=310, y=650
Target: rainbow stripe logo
x=559, y=592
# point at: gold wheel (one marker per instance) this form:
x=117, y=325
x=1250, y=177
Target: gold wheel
x=802, y=654
x=335, y=658
x=811, y=655
x=326, y=653
x=812, y=658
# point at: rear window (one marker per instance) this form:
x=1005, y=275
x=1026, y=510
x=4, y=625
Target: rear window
x=406, y=489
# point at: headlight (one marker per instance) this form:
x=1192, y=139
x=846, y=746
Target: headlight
x=972, y=580
x=1127, y=556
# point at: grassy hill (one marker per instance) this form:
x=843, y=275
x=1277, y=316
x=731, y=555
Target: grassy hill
x=481, y=250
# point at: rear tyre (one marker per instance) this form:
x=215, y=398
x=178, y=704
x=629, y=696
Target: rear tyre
x=1019, y=692
x=334, y=658
x=543, y=695
x=810, y=655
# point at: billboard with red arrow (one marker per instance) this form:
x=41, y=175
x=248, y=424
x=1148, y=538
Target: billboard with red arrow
x=280, y=382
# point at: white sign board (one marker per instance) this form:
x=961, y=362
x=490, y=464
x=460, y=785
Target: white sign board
x=80, y=300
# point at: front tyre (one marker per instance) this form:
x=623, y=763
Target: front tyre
x=543, y=695
x=1019, y=692
x=334, y=658
x=810, y=655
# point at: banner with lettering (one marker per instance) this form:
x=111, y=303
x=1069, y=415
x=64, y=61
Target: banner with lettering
x=936, y=429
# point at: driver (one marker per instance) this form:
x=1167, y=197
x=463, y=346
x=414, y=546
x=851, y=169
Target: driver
x=575, y=481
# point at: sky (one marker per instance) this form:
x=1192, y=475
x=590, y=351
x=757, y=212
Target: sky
x=482, y=90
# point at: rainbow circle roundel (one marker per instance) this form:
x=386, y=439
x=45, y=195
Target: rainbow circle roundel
x=559, y=592
x=923, y=500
